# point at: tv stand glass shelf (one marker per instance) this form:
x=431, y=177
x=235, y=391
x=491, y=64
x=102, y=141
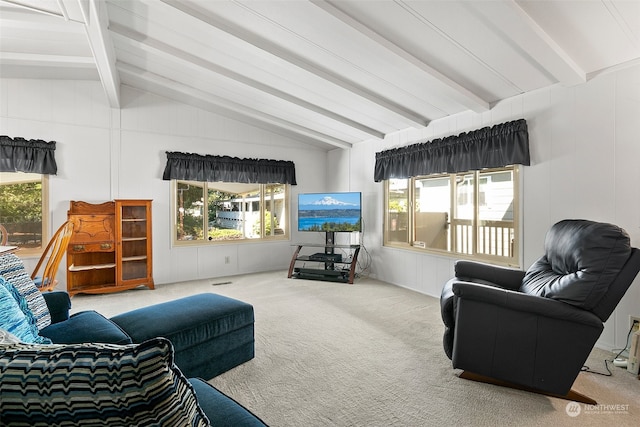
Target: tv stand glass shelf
x=326, y=265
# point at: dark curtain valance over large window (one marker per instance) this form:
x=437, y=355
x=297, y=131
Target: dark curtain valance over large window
x=206, y=168
x=34, y=156
x=490, y=147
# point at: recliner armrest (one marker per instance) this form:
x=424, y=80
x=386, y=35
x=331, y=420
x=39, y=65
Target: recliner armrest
x=525, y=303
x=519, y=338
x=505, y=277
x=59, y=304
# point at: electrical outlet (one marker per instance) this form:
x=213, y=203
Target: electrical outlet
x=227, y=259
x=634, y=320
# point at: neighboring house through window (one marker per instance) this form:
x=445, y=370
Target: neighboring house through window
x=467, y=214
x=457, y=195
x=226, y=211
x=227, y=199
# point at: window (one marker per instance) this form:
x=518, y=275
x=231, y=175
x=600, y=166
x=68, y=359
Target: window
x=222, y=212
x=23, y=199
x=470, y=214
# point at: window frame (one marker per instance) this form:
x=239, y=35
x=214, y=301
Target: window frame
x=204, y=241
x=515, y=260
x=44, y=181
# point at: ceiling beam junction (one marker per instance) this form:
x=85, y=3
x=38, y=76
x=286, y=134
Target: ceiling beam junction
x=102, y=48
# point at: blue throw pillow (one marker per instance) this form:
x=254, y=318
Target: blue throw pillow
x=13, y=318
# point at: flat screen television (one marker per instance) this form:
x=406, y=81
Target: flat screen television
x=330, y=212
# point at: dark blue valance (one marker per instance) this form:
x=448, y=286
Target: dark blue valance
x=207, y=168
x=490, y=147
x=33, y=156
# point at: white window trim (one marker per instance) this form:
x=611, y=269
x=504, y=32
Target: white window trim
x=28, y=252
x=205, y=242
x=515, y=261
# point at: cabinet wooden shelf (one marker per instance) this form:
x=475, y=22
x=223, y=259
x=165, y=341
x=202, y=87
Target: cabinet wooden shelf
x=73, y=267
x=110, y=249
x=134, y=258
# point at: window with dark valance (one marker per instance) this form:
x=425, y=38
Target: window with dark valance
x=33, y=156
x=207, y=168
x=490, y=147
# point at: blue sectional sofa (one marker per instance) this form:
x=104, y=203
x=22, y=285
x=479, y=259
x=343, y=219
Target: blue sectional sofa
x=210, y=333
x=144, y=367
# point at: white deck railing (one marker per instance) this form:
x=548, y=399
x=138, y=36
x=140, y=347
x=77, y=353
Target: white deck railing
x=493, y=237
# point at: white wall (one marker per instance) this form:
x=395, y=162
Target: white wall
x=584, y=144
x=585, y=149
x=105, y=153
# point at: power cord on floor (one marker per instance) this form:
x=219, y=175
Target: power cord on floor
x=585, y=368
x=364, y=262
x=364, y=258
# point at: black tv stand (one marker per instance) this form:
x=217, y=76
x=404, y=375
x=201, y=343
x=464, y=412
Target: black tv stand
x=327, y=270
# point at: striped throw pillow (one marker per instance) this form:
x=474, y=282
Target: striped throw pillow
x=95, y=384
x=12, y=269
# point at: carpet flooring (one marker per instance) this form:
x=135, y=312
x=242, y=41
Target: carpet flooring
x=370, y=354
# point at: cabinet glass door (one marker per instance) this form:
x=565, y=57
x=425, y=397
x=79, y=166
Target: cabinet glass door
x=135, y=247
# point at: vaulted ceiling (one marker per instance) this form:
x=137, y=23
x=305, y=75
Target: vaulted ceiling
x=327, y=73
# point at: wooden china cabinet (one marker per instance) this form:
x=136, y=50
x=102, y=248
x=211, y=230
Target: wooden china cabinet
x=110, y=249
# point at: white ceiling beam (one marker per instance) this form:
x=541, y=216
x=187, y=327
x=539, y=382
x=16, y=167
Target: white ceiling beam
x=224, y=106
x=31, y=59
x=275, y=50
x=50, y=21
x=614, y=68
x=456, y=91
x=629, y=29
x=102, y=48
x=33, y=8
x=254, y=84
x=525, y=32
x=63, y=9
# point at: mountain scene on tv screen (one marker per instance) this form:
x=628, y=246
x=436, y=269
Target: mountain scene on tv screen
x=329, y=212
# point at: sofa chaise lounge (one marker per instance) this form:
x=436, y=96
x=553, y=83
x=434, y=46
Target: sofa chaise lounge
x=143, y=367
